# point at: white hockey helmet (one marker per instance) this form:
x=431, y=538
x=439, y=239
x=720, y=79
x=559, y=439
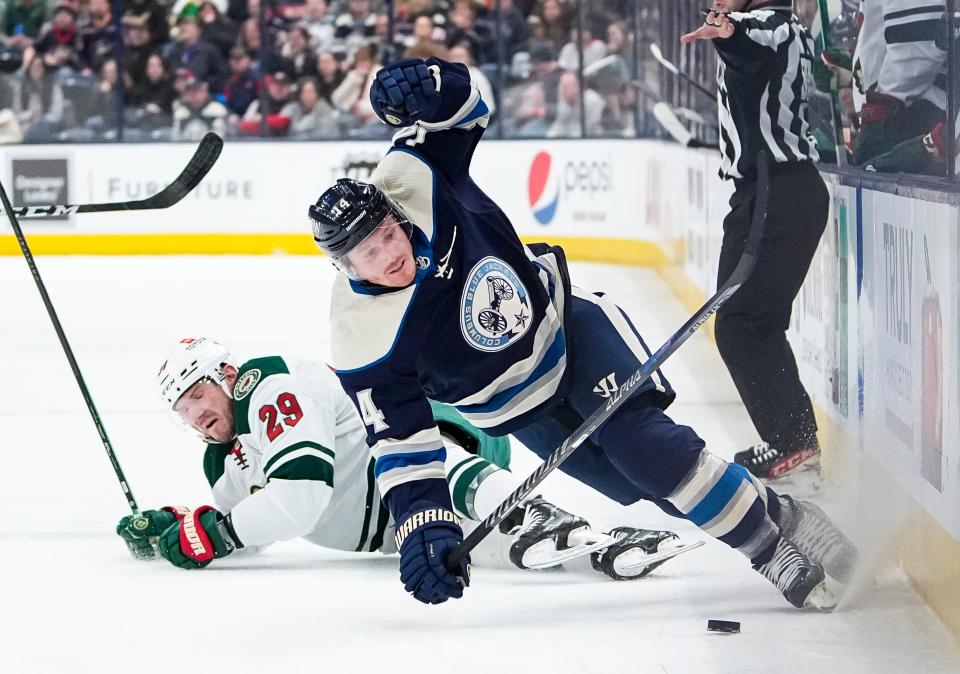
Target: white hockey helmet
x=193, y=359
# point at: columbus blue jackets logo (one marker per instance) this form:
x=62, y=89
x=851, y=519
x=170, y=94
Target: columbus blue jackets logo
x=495, y=309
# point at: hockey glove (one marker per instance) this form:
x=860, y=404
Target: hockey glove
x=425, y=539
x=140, y=532
x=405, y=92
x=923, y=154
x=874, y=118
x=833, y=70
x=198, y=539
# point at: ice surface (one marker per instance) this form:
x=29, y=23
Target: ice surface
x=72, y=600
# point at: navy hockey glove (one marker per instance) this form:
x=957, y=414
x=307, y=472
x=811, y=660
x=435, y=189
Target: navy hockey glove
x=425, y=539
x=405, y=92
x=198, y=539
x=140, y=533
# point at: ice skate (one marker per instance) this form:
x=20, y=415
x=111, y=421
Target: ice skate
x=770, y=463
x=802, y=581
x=811, y=530
x=546, y=536
x=637, y=552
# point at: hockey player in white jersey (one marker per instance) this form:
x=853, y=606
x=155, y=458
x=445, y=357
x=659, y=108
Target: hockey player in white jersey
x=899, y=73
x=287, y=458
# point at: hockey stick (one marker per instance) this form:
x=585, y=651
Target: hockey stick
x=669, y=121
x=578, y=437
x=836, y=114
x=199, y=165
x=67, y=350
x=201, y=162
x=662, y=60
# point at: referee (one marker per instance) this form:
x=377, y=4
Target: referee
x=765, y=55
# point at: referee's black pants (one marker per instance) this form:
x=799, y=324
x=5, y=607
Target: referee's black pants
x=751, y=327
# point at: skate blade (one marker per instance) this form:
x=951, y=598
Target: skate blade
x=556, y=557
x=822, y=598
x=803, y=483
x=659, y=556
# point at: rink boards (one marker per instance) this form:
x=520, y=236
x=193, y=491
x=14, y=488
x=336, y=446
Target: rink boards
x=875, y=328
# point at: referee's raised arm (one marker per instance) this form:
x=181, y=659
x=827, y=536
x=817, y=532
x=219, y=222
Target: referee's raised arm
x=763, y=70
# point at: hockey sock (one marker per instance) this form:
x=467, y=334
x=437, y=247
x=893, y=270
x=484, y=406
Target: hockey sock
x=477, y=487
x=728, y=503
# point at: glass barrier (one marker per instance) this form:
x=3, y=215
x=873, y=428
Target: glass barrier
x=883, y=84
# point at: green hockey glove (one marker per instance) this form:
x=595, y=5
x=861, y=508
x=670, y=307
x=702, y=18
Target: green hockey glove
x=198, y=539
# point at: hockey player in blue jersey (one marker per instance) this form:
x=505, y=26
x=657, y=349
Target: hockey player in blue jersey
x=439, y=299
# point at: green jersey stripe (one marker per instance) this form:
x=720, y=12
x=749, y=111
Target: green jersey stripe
x=249, y=376
x=306, y=444
x=368, y=509
x=213, y=460
x=465, y=487
x=305, y=468
x=383, y=518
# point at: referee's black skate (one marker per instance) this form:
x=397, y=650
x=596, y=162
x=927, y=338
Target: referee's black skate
x=546, y=536
x=637, y=552
x=802, y=581
x=815, y=534
x=770, y=463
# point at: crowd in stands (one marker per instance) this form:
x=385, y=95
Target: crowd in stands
x=173, y=69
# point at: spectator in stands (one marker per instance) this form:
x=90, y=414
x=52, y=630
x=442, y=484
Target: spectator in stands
x=546, y=72
x=23, y=20
x=319, y=23
x=98, y=38
x=594, y=48
x=280, y=108
x=137, y=48
x=556, y=23
x=60, y=43
x=356, y=26
x=243, y=85
x=425, y=43
x=460, y=54
x=516, y=33
x=464, y=28
x=216, y=29
x=313, y=116
x=250, y=38
x=618, y=41
x=201, y=58
x=106, y=95
x=237, y=11
x=153, y=15
x=329, y=75
x=567, y=122
x=353, y=94
x=299, y=53
x=151, y=99
x=195, y=113
x=38, y=103
x=10, y=130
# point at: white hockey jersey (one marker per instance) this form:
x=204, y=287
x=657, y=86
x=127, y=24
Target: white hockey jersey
x=897, y=53
x=300, y=466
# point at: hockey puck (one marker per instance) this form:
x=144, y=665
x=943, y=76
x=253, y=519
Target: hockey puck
x=728, y=626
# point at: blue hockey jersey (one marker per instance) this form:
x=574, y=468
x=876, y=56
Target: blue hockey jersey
x=482, y=326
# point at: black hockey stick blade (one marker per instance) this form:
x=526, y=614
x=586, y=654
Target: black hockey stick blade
x=200, y=164
x=740, y=274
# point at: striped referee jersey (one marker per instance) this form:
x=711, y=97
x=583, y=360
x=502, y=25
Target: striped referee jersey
x=763, y=75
